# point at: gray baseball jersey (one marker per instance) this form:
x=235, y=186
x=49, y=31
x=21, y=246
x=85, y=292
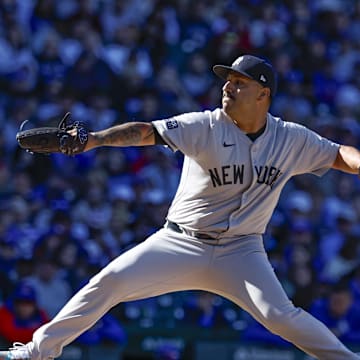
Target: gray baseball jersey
x=230, y=184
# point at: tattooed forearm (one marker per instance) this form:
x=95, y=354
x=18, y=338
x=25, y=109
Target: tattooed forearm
x=129, y=134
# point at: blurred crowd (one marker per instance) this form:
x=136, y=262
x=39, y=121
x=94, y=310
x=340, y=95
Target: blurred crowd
x=113, y=61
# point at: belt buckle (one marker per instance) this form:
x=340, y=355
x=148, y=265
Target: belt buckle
x=176, y=227
x=204, y=236
x=201, y=236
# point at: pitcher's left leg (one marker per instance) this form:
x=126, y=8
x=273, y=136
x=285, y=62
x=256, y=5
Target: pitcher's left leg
x=242, y=273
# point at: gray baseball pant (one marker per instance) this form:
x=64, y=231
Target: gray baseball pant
x=169, y=261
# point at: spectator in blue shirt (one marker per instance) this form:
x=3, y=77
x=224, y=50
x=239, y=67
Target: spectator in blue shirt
x=339, y=312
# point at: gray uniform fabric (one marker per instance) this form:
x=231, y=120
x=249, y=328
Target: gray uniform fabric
x=229, y=184
x=228, y=190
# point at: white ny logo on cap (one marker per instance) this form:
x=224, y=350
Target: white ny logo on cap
x=262, y=78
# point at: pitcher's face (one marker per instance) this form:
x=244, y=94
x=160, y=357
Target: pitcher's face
x=241, y=93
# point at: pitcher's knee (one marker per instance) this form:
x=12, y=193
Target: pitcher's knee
x=105, y=280
x=280, y=322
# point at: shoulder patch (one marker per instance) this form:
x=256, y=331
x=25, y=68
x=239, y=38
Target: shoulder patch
x=172, y=124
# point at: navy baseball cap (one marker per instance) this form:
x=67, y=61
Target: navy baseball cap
x=252, y=67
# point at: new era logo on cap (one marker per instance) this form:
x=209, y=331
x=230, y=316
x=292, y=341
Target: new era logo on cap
x=253, y=67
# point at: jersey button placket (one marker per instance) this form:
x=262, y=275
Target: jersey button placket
x=253, y=158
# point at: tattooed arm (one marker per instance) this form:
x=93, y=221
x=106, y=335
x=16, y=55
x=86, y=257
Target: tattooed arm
x=128, y=134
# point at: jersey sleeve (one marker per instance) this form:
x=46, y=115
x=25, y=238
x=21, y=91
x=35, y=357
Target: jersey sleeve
x=187, y=132
x=316, y=153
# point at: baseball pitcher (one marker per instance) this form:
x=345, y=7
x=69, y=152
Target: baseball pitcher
x=237, y=159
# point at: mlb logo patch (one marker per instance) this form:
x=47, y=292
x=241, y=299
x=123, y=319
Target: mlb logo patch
x=172, y=124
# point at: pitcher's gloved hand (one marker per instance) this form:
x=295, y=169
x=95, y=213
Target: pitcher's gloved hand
x=69, y=139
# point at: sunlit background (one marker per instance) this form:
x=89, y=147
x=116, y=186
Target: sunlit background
x=113, y=61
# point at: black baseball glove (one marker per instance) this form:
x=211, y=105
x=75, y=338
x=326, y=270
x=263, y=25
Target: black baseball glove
x=69, y=139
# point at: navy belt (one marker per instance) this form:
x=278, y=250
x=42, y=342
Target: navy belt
x=177, y=228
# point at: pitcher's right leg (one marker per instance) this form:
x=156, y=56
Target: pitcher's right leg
x=165, y=262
